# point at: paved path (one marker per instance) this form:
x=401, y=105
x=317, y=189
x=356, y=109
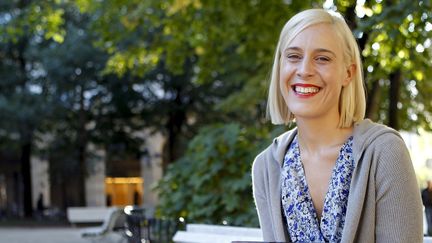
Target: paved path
x=41, y=235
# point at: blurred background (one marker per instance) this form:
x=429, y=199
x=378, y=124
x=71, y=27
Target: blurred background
x=162, y=103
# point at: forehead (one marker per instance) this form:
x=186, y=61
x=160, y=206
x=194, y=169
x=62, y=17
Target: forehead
x=317, y=37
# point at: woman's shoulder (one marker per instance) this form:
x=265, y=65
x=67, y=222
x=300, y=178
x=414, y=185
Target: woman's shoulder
x=368, y=128
x=382, y=146
x=368, y=134
x=276, y=149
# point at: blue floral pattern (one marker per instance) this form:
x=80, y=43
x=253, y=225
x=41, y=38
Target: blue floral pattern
x=301, y=216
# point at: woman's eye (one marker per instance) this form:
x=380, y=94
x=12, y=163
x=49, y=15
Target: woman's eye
x=293, y=57
x=323, y=59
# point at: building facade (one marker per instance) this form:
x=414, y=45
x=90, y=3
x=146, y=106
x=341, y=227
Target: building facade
x=108, y=182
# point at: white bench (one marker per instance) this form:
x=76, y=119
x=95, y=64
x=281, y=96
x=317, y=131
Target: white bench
x=112, y=229
x=88, y=214
x=200, y=233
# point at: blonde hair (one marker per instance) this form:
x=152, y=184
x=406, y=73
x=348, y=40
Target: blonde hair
x=352, y=101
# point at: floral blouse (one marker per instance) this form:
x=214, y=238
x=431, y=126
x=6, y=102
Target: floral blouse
x=300, y=214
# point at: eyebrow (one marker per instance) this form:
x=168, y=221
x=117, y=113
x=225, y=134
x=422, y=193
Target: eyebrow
x=295, y=48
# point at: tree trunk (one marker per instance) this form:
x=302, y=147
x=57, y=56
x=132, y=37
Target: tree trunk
x=394, y=95
x=82, y=143
x=25, y=127
x=177, y=118
x=26, y=177
x=373, y=97
x=82, y=176
x=172, y=145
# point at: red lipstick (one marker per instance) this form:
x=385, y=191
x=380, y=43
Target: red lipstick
x=305, y=90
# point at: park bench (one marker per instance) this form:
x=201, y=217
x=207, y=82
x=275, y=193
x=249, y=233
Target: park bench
x=129, y=224
x=88, y=215
x=112, y=229
x=200, y=233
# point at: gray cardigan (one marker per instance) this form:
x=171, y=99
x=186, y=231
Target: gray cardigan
x=384, y=203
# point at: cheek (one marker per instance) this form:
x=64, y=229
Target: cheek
x=333, y=77
x=283, y=81
x=285, y=74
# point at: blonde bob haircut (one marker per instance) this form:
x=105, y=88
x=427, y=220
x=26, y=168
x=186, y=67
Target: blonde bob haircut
x=352, y=101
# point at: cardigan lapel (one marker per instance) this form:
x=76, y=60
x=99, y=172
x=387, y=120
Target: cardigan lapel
x=359, y=181
x=280, y=145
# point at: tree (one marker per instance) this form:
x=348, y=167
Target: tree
x=24, y=27
x=189, y=64
x=89, y=107
x=394, y=37
x=54, y=91
x=72, y=70
x=211, y=183
x=395, y=40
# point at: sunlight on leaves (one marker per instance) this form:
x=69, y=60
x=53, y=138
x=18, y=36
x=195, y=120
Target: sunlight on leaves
x=418, y=75
x=181, y=5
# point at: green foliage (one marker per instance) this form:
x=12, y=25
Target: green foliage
x=211, y=183
x=27, y=18
x=239, y=48
x=232, y=41
x=398, y=37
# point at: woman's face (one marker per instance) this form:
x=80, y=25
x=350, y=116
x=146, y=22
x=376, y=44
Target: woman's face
x=313, y=72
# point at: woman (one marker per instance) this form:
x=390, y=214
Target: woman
x=336, y=177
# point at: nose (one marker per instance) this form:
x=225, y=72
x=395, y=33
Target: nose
x=305, y=68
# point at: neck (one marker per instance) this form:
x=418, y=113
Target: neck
x=317, y=134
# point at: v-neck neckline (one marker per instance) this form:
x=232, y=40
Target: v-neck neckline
x=318, y=221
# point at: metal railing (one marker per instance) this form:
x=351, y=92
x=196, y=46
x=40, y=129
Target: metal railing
x=142, y=229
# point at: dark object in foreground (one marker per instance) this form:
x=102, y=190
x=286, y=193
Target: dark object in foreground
x=140, y=228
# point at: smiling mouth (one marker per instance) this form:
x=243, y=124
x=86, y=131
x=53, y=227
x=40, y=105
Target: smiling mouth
x=305, y=90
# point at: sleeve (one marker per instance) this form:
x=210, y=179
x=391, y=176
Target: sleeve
x=398, y=200
x=260, y=188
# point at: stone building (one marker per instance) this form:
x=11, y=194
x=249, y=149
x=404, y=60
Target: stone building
x=109, y=182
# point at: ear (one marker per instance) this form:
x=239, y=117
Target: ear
x=350, y=72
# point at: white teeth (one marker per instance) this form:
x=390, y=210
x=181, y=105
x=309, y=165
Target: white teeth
x=305, y=90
